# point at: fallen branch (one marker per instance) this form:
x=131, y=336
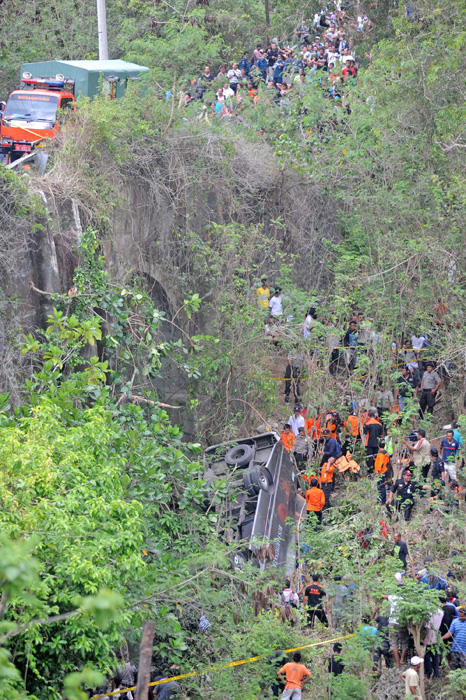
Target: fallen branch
x=138, y=399
x=50, y=294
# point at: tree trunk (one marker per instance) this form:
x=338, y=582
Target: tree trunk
x=145, y=660
x=421, y=652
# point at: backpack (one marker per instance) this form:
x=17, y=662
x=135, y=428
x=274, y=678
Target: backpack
x=289, y=597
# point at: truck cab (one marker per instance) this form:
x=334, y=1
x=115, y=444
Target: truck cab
x=31, y=113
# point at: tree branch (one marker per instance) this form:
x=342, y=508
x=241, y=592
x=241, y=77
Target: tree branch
x=138, y=399
x=37, y=621
x=3, y=601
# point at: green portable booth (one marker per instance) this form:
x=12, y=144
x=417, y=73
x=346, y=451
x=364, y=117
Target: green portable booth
x=115, y=75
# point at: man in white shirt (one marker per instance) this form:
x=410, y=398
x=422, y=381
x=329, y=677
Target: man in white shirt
x=420, y=452
x=332, y=57
x=411, y=678
x=398, y=634
x=275, y=303
x=233, y=75
x=296, y=421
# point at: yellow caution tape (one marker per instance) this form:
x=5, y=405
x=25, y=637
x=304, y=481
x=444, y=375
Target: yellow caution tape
x=40, y=137
x=232, y=664
x=279, y=379
x=318, y=644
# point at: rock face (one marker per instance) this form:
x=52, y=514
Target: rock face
x=159, y=206
x=148, y=207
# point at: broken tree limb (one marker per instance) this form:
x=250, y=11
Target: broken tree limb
x=138, y=399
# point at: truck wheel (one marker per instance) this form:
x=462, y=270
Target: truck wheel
x=251, y=487
x=239, y=456
x=261, y=477
x=237, y=561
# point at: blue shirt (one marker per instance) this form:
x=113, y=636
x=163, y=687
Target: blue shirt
x=332, y=448
x=457, y=437
x=218, y=108
x=244, y=63
x=458, y=630
x=368, y=635
x=262, y=64
x=453, y=606
x=440, y=585
x=278, y=72
x=449, y=449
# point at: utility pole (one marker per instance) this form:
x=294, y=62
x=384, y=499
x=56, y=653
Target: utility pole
x=102, y=30
x=267, y=22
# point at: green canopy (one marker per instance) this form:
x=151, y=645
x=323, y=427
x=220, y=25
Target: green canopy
x=87, y=74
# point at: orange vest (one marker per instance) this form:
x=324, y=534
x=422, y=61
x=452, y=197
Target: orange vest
x=313, y=428
x=371, y=421
x=309, y=478
x=352, y=426
x=381, y=462
x=315, y=499
x=332, y=427
x=326, y=473
x=287, y=440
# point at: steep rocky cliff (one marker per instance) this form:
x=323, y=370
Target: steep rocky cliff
x=151, y=213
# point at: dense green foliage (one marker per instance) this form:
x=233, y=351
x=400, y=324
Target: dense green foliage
x=102, y=504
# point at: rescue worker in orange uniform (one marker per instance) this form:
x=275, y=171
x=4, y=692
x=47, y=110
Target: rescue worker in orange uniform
x=331, y=424
x=287, y=437
x=315, y=500
x=326, y=480
x=314, y=430
x=381, y=468
x=351, y=431
x=373, y=432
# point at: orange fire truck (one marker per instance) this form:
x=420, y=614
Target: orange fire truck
x=31, y=113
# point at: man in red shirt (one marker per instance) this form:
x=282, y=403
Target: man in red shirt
x=296, y=676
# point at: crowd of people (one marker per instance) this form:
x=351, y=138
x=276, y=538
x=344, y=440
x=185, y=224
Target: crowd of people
x=125, y=677
x=322, y=50
x=386, y=635
x=324, y=445
x=422, y=374
x=408, y=469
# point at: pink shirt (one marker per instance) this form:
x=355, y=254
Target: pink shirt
x=432, y=626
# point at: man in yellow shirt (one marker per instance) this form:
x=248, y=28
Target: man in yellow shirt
x=263, y=293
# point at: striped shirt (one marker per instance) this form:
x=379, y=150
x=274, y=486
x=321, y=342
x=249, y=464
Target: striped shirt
x=458, y=631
